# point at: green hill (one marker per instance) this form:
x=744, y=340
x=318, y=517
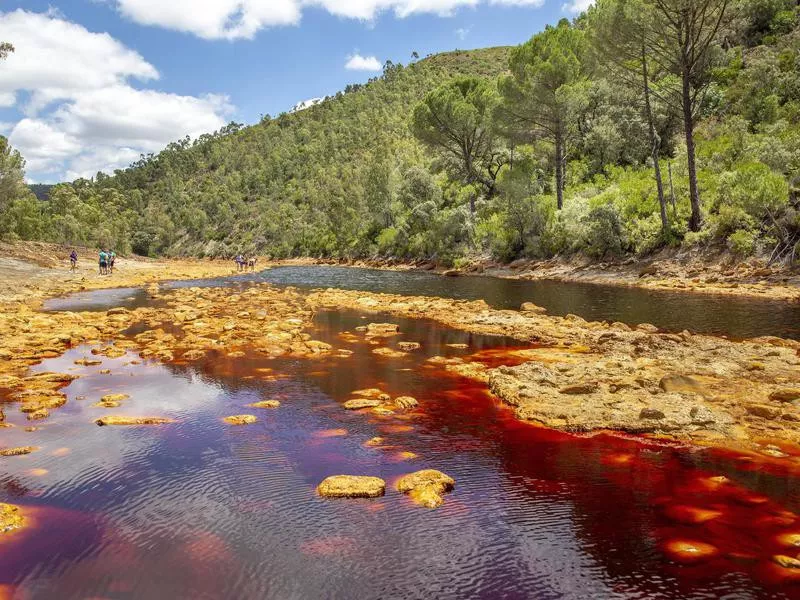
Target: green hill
x=298, y=183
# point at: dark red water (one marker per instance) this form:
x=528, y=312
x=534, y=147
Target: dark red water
x=198, y=509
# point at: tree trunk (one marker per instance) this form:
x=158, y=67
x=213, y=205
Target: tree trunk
x=671, y=189
x=559, y=167
x=688, y=125
x=654, y=143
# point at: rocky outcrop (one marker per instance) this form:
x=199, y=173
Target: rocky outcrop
x=586, y=396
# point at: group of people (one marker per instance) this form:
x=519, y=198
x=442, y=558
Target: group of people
x=107, y=258
x=244, y=263
x=106, y=261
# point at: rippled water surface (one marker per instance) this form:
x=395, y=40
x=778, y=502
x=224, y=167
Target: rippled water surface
x=739, y=318
x=199, y=509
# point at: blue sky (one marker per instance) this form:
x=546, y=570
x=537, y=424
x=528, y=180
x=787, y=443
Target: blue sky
x=94, y=83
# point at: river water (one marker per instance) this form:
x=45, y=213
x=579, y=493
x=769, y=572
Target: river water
x=199, y=509
x=735, y=317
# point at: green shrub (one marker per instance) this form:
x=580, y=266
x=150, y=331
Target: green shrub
x=742, y=242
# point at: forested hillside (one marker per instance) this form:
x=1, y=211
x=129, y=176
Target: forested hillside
x=640, y=125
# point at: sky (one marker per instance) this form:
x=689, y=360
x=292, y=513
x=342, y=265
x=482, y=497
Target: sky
x=93, y=84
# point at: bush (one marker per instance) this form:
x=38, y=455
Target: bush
x=604, y=232
x=742, y=242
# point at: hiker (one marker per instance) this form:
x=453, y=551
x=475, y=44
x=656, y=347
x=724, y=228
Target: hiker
x=103, y=262
x=112, y=256
x=73, y=260
x=252, y=263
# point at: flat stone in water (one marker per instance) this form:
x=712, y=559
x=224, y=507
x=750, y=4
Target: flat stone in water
x=265, y=404
x=120, y=420
x=351, y=486
x=19, y=451
x=240, y=419
x=359, y=403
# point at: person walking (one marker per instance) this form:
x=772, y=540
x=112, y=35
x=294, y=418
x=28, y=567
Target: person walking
x=73, y=260
x=112, y=257
x=103, y=262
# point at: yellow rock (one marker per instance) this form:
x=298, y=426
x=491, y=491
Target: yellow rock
x=19, y=451
x=787, y=562
x=265, y=404
x=39, y=414
x=240, y=419
x=426, y=487
x=88, y=362
x=359, y=403
x=114, y=398
x=374, y=393
x=408, y=346
x=10, y=518
x=689, y=551
x=376, y=441
x=120, y=420
x=389, y=352
x=427, y=496
x=789, y=539
x=406, y=402
x=351, y=486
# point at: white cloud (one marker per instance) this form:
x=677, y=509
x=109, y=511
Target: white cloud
x=7, y=99
x=304, y=104
x=54, y=59
x=356, y=62
x=576, y=6
x=232, y=19
x=463, y=32
x=82, y=114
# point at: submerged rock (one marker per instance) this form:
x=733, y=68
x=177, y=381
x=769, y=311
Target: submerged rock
x=530, y=307
x=18, y=451
x=121, y=420
x=114, y=398
x=409, y=346
x=265, y=404
x=351, y=486
x=389, y=352
x=359, y=403
x=240, y=419
x=426, y=487
x=787, y=562
x=382, y=329
x=406, y=402
x=689, y=551
x=373, y=393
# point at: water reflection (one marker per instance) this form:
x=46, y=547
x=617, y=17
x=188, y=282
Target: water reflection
x=198, y=509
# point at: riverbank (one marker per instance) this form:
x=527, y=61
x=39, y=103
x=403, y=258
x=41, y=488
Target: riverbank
x=705, y=274
x=33, y=271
